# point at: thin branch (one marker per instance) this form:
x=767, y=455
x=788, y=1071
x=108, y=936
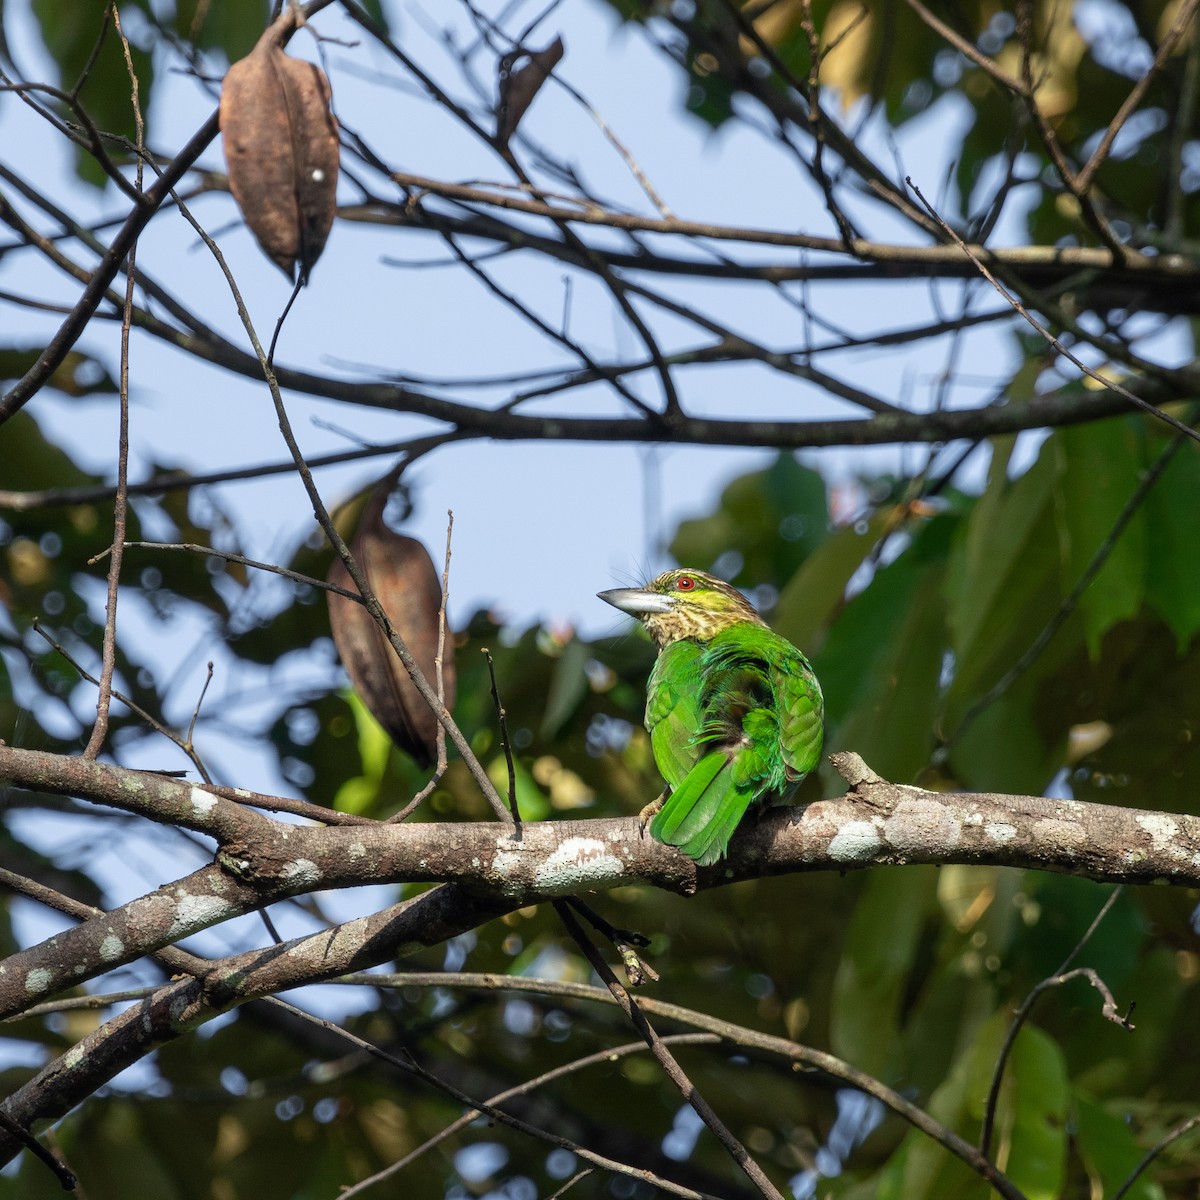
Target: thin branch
x=505, y=741
x=578, y=1177
x=1182, y=118
x=860, y=248
x=1061, y=976
x=1094, y=375
x=69, y=332
x=1067, y=605
x=411, y=1067
x=626, y=942
x=243, y=561
x=545, y=327
x=106, y=270
x=667, y=1060
x=1183, y=18
x=318, y=813
x=157, y=725
x=601, y=1057
x=1173, y=1135
x=1049, y=139
x=191, y=732
x=795, y=1053
x=120, y=511
x=65, y=1177
x=370, y=600
x=85, y=1003
x=175, y=481
x=967, y=49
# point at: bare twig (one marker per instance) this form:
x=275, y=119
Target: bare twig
x=505, y=741
x=208, y=677
x=1096, y=376
x=158, y=726
x=612, y=1054
x=1049, y=139
x=795, y=1053
x=667, y=1060
x=1061, y=976
x=286, y=804
x=109, y=652
x=1173, y=1135
x=1183, y=18
x=370, y=600
x=578, y=1177
x=65, y=1177
x=85, y=1003
x=411, y=1067
x=176, y=481
x=152, y=199
x=243, y=561
x=1068, y=603
x=626, y=942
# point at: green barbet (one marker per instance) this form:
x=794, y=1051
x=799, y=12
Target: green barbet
x=734, y=711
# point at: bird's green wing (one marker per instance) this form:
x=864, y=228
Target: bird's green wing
x=673, y=714
x=801, y=710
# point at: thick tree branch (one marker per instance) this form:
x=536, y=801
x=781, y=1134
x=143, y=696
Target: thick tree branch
x=874, y=823
x=178, y=1007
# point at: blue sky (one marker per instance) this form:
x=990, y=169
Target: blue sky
x=538, y=528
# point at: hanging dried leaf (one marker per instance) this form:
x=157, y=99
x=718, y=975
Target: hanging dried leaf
x=404, y=578
x=281, y=151
x=518, y=88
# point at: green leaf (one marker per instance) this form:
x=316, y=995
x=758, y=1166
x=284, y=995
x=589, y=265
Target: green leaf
x=1098, y=470
x=1109, y=1151
x=532, y=802
x=356, y=761
x=814, y=593
x=376, y=10
x=230, y=28
x=923, y=1170
x=1034, y=1118
x=1173, y=573
x=1030, y=1133
x=881, y=666
x=71, y=30
x=765, y=526
x=361, y=794
x=1001, y=559
x=568, y=687
x=876, y=961
x=77, y=375
x=31, y=461
x=1003, y=587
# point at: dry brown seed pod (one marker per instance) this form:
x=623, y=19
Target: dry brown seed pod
x=518, y=88
x=281, y=151
x=402, y=575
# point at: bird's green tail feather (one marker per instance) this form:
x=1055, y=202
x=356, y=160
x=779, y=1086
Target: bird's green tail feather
x=701, y=814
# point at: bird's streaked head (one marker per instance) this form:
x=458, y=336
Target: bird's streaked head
x=684, y=604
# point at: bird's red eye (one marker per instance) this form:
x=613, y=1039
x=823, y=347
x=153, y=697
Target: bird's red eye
x=685, y=583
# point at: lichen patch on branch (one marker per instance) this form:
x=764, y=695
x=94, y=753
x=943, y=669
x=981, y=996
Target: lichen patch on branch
x=579, y=862
x=856, y=841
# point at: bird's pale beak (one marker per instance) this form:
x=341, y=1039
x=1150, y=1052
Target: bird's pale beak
x=637, y=601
